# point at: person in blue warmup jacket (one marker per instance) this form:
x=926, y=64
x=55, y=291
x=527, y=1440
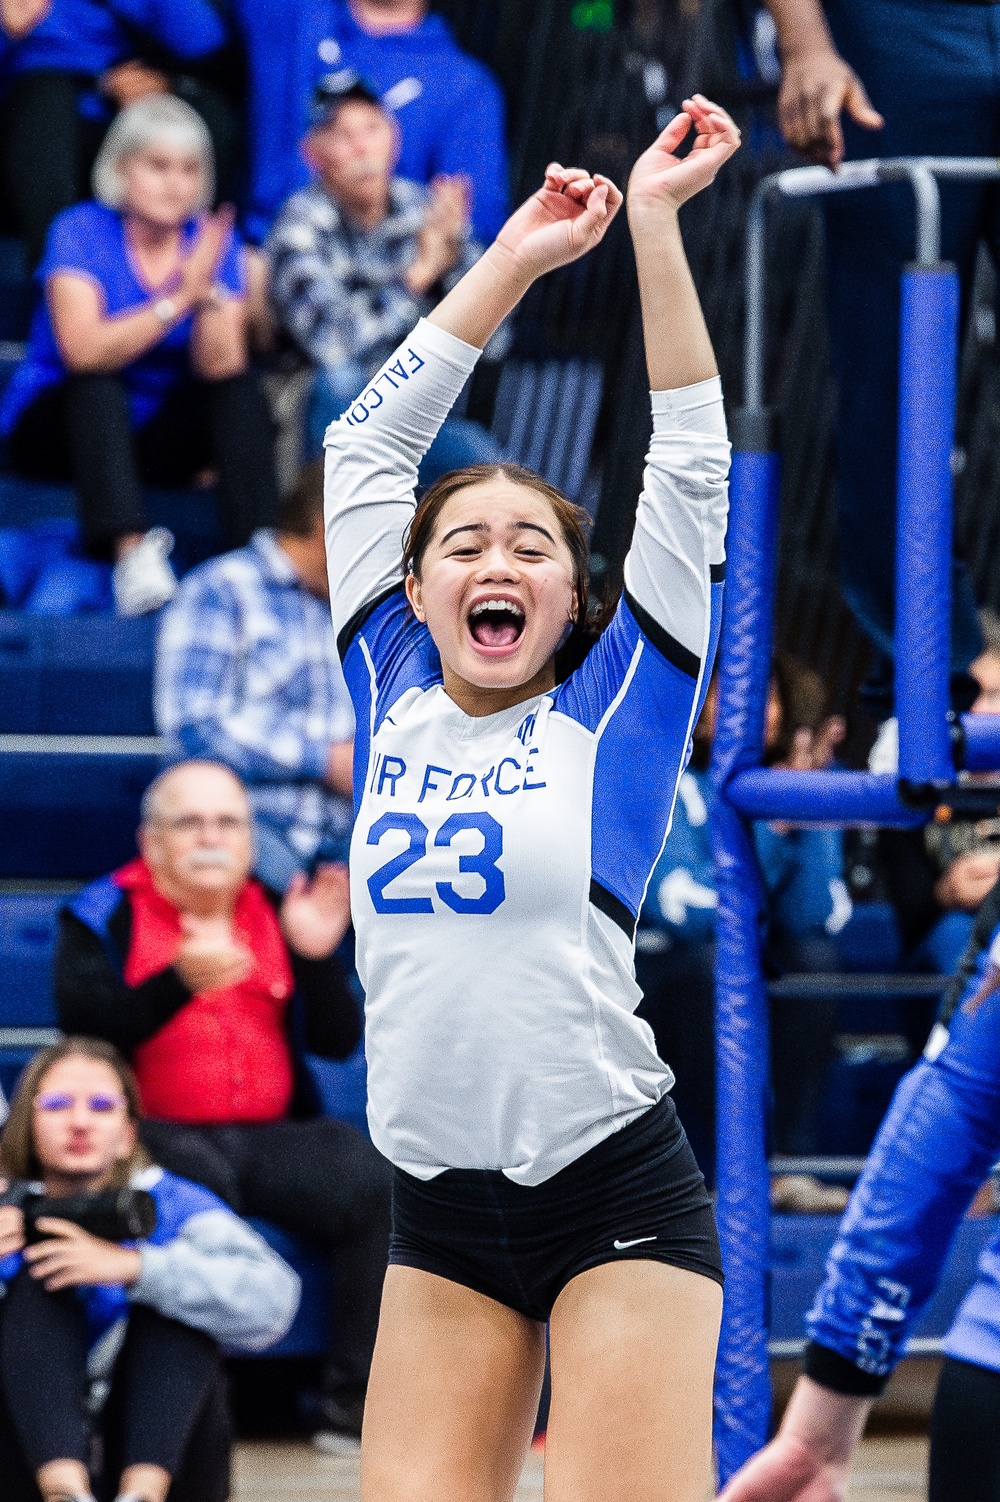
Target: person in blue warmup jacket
x=448, y=106
x=935, y=1149
x=118, y=1339
x=73, y=64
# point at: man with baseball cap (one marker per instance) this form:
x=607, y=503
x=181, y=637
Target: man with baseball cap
x=360, y=255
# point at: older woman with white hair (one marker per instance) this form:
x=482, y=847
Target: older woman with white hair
x=137, y=366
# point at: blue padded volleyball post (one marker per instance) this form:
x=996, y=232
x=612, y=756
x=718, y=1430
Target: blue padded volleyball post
x=746, y=790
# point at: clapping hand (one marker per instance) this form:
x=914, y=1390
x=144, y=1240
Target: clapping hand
x=568, y=216
x=70, y=1257
x=209, y=957
x=201, y=264
x=662, y=179
x=315, y=914
x=439, y=243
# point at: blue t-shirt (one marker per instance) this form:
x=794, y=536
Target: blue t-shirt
x=90, y=240
x=449, y=106
x=89, y=36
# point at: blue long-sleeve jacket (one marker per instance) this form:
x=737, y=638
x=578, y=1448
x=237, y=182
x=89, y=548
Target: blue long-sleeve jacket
x=449, y=106
x=87, y=37
x=935, y=1148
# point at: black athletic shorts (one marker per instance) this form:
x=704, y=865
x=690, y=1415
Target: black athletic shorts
x=637, y=1194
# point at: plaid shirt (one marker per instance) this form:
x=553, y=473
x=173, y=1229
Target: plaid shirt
x=339, y=292
x=247, y=673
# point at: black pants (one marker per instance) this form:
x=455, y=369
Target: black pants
x=166, y=1407
x=47, y=148
x=80, y=430
x=965, y=1435
x=319, y=1179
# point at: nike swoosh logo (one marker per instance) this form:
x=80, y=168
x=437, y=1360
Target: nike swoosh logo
x=620, y=1246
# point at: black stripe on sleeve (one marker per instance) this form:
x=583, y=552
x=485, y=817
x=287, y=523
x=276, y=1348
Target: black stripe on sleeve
x=717, y=572
x=832, y=1370
x=612, y=907
x=354, y=625
x=668, y=646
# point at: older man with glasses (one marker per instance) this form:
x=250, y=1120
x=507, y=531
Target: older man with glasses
x=196, y=972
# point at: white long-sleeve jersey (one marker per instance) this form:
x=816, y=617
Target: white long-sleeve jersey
x=498, y=863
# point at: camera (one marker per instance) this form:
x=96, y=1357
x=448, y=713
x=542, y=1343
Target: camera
x=113, y=1215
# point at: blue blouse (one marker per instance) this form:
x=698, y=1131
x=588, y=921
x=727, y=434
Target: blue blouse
x=89, y=240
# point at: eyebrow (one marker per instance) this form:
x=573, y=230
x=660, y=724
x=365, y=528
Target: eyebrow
x=482, y=527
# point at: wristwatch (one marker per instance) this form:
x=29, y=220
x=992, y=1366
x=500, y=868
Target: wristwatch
x=166, y=311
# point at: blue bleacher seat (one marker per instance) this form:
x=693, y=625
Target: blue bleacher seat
x=87, y=675
x=27, y=943
x=799, y=1247
x=70, y=808
x=191, y=515
x=545, y=416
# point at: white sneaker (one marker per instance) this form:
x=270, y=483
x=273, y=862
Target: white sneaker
x=884, y=755
x=142, y=579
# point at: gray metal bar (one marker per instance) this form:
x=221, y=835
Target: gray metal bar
x=833, y=983
x=808, y=182
x=28, y=1037
x=82, y=745
x=819, y=1168
x=792, y=1350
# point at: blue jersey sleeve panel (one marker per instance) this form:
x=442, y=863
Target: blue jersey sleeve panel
x=636, y=690
x=86, y=37
x=384, y=655
x=934, y=1150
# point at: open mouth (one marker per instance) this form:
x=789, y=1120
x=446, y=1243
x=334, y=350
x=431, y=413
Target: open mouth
x=496, y=625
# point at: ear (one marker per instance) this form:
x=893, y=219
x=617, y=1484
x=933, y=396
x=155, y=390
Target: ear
x=413, y=594
x=308, y=154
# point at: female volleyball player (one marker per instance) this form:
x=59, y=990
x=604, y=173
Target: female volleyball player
x=507, y=824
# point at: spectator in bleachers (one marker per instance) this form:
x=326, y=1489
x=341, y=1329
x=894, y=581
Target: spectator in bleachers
x=74, y=63
x=448, y=106
x=137, y=366
x=110, y=1340
x=203, y=978
x=247, y=673
x=356, y=259
x=807, y=905
x=938, y=876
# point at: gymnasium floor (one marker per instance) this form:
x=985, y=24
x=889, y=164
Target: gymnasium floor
x=891, y=1467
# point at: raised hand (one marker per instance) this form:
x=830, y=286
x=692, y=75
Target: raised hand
x=568, y=216
x=315, y=915
x=662, y=179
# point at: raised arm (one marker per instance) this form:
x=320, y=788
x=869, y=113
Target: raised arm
x=374, y=450
x=678, y=547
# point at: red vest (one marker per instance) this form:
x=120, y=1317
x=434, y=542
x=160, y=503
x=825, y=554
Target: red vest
x=224, y=1057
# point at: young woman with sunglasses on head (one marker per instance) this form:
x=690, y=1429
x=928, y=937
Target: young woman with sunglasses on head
x=509, y=816
x=129, y=1331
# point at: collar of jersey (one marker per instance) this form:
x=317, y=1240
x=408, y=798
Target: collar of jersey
x=471, y=727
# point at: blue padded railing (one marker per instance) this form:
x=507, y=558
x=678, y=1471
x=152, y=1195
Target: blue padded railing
x=931, y=746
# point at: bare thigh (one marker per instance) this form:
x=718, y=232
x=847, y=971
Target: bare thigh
x=632, y=1348
x=453, y=1394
